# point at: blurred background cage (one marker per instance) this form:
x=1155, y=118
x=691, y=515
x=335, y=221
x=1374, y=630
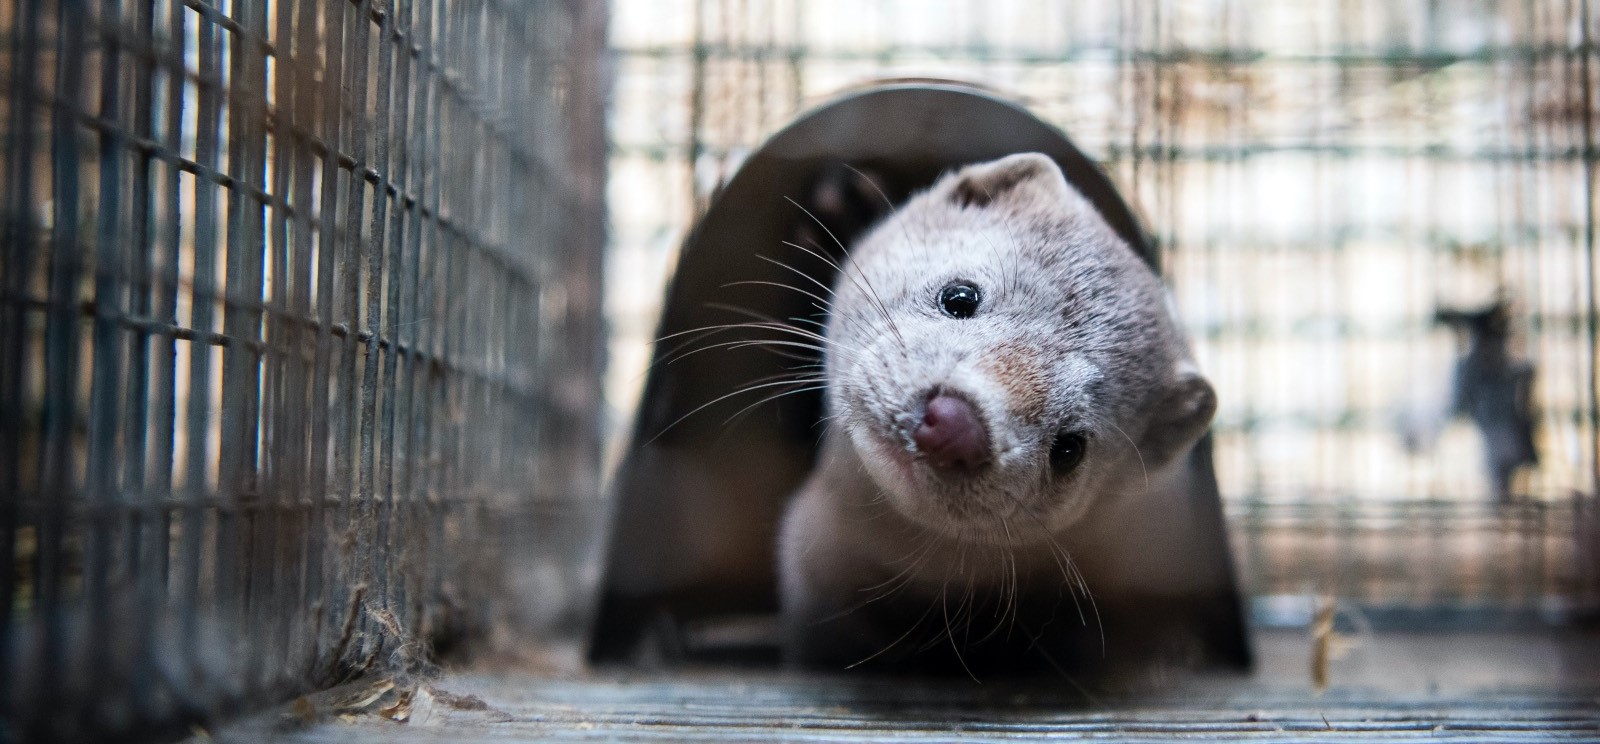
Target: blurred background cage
x=1325, y=181
x=301, y=338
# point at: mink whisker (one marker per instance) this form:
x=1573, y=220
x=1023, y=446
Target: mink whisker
x=771, y=398
x=712, y=402
x=882, y=309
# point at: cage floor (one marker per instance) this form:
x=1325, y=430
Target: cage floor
x=1390, y=686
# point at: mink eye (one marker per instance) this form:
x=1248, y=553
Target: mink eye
x=959, y=300
x=1067, y=452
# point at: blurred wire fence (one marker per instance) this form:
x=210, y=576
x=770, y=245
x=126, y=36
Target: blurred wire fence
x=299, y=308
x=1326, y=180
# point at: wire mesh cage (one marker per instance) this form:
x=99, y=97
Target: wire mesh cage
x=300, y=321
x=1333, y=185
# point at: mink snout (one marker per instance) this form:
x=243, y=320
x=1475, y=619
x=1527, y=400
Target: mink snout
x=950, y=436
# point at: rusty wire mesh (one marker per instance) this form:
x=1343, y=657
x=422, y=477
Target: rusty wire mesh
x=1321, y=176
x=300, y=331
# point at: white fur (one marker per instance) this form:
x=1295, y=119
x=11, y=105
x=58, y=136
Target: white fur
x=1074, y=333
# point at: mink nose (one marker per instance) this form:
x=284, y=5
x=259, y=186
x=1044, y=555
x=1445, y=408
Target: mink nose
x=950, y=435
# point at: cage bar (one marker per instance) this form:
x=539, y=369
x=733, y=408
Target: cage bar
x=288, y=287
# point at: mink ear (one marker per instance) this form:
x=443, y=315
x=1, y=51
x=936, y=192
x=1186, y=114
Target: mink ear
x=1027, y=181
x=1180, y=418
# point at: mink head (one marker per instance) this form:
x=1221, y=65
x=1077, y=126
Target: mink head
x=1003, y=362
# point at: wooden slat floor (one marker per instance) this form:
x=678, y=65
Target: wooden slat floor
x=1397, y=687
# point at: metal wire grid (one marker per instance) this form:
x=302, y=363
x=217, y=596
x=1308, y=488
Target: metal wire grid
x=299, y=302
x=1321, y=176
